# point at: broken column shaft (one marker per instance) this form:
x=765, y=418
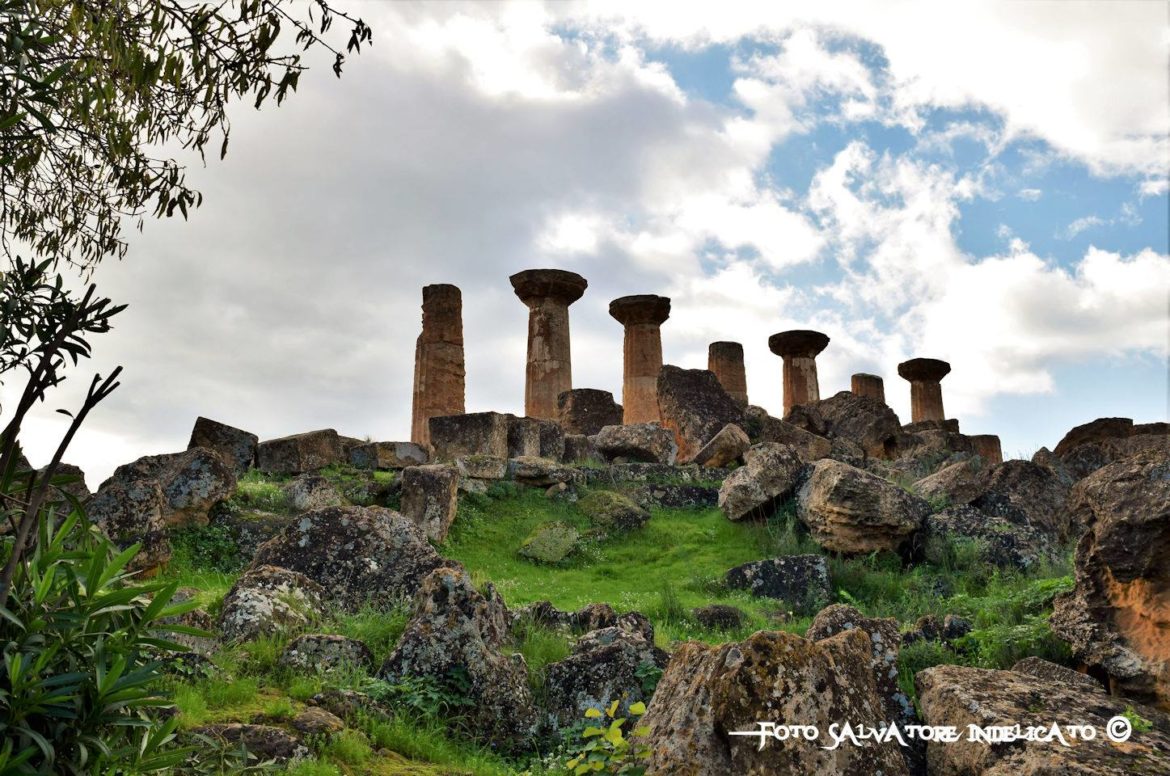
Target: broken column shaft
x=925, y=375
x=725, y=359
x=799, y=349
x=547, y=294
x=862, y=384
x=438, y=360
x=642, y=316
x=988, y=447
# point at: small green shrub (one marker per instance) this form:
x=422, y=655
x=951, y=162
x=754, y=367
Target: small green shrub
x=206, y=547
x=607, y=749
x=349, y=747
x=1140, y=723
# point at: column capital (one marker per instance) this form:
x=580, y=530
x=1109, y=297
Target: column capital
x=536, y=285
x=798, y=343
x=924, y=370
x=640, y=308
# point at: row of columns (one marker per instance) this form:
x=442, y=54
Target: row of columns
x=439, y=371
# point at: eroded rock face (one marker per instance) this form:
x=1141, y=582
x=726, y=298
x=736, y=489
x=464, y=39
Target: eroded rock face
x=1087, y=448
x=132, y=512
x=357, y=554
x=476, y=433
x=430, y=497
x=851, y=511
x=602, y=668
x=708, y=691
x=955, y=485
x=580, y=449
x=387, y=455
x=1118, y=617
x=762, y=427
x=1051, y=672
x=455, y=637
x=1025, y=493
x=771, y=473
x=76, y=488
x=586, y=411
x=300, y=453
x=802, y=581
x=724, y=448
x=694, y=406
x=861, y=419
x=326, y=652
x=1003, y=543
x=268, y=599
x=719, y=616
x=311, y=491
x=541, y=472
x=961, y=696
x=643, y=442
x=590, y=617
x=236, y=446
x=192, y=482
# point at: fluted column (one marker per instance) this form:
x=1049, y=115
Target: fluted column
x=799, y=349
x=547, y=293
x=925, y=376
x=642, y=316
x=438, y=360
x=725, y=359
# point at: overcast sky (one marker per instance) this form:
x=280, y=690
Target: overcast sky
x=984, y=183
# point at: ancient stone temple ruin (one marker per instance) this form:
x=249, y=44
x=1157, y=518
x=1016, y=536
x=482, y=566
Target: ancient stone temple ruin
x=642, y=316
x=438, y=360
x=799, y=349
x=725, y=359
x=549, y=373
x=872, y=386
x=925, y=376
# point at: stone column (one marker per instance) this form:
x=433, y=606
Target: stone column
x=725, y=359
x=548, y=294
x=988, y=448
x=799, y=349
x=642, y=315
x=862, y=384
x=438, y=360
x=924, y=375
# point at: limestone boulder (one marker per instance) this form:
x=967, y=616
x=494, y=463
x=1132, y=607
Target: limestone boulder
x=270, y=599
x=1087, y=448
x=1000, y=542
x=430, y=498
x=1025, y=493
x=590, y=617
x=250, y=528
x=132, y=512
x=676, y=495
x=1052, y=672
x=644, y=442
x=68, y=483
x=694, y=406
x=867, y=421
x=947, y=629
x=708, y=692
x=724, y=448
x=770, y=474
x=236, y=446
x=359, y=555
x=550, y=542
x=523, y=437
x=476, y=433
x=602, y=668
x=851, y=511
x=541, y=472
x=326, y=652
x=317, y=722
x=387, y=455
x=192, y=482
x=311, y=491
x=1047, y=459
x=300, y=453
x=1118, y=616
x=585, y=411
x=801, y=581
x=719, y=617
x=954, y=485
x=762, y=427
x=959, y=696
x=482, y=467
x=612, y=511
x=455, y=637
x=1099, y=430
x=580, y=449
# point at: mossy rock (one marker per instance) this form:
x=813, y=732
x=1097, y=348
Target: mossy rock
x=550, y=543
x=613, y=511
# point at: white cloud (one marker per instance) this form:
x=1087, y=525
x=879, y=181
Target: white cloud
x=1081, y=225
x=1030, y=195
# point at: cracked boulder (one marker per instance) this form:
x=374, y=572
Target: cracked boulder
x=851, y=511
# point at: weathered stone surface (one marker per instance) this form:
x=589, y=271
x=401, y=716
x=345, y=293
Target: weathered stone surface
x=1002, y=542
x=430, y=497
x=550, y=542
x=547, y=293
x=387, y=455
x=645, y=442
x=1118, y=616
x=851, y=511
x=960, y=696
x=523, y=437
x=311, y=491
x=922, y=453
x=1022, y=492
x=694, y=406
x=67, y=480
x=590, y=617
x=618, y=473
x=799, y=349
x=1087, y=448
x=602, y=668
x=955, y=485
x=455, y=637
x=586, y=411
x=725, y=360
x=1099, y=430
x=326, y=652
x=868, y=386
x=719, y=617
x=131, y=512
x=477, y=433
x=196, y=618
x=358, y=554
x=676, y=496
x=724, y=448
x=762, y=427
x=1040, y=668
x=541, y=472
x=708, y=691
x=885, y=643
x=315, y=721
x=439, y=372
x=613, y=511
x=482, y=467
x=580, y=449
x=929, y=627
x=988, y=447
x=250, y=528
x=236, y=446
x=300, y=453
x=266, y=742
x=802, y=581
x=268, y=599
x=192, y=482
x=1048, y=460
x=642, y=317
x=868, y=422
x=771, y=473
x=925, y=376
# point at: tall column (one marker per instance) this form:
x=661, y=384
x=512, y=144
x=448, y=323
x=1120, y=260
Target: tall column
x=924, y=375
x=799, y=349
x=725, y=359
x=438, y=360
x=862, y=384
x=988, y=448
x=642, y=315
x=548, y=294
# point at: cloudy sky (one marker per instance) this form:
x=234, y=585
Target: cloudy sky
x=983, y=182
